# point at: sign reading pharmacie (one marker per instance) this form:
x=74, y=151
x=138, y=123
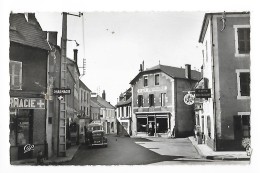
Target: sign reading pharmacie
x=203, y=93
x=27, y=103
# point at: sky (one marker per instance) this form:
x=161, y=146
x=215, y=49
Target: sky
x=115, y=43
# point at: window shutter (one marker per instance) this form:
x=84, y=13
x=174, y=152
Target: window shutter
x=244, y=84
x=15, y=75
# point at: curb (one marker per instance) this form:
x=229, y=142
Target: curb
x=216, y=157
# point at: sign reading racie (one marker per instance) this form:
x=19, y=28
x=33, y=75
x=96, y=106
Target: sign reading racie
x=27, y=103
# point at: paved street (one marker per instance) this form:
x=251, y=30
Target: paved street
x=141, y=151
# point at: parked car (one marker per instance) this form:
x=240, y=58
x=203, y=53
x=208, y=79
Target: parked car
x=95, y=135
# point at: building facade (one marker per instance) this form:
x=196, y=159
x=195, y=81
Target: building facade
x=84, y=103
x=225, y=117
x=28, y=86
x=73, y=108
x=124, y=113
x=107, y=113
x=157, y=101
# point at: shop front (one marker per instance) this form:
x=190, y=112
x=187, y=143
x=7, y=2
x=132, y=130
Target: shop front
x=153, y=124
x=27, y=128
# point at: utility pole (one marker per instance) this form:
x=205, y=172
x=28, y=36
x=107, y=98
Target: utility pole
x=63, y=84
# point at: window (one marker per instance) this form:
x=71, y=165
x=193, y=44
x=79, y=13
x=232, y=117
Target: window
x=151, y=100
x=163, y=96
x=156, y=79
x=242, y=40
x=140, y=101
x=15, y=70
x=145, y=80
x=242, y=126
x=243, y=83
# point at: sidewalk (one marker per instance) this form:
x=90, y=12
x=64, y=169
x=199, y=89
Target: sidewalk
x=206, y=152
x=53, y=160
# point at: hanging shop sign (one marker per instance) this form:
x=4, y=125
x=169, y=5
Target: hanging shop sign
x=189, y=99
x=63, y=91
x=27, y=103
x=203, y=93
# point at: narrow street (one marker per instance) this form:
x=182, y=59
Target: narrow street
x=142, y=151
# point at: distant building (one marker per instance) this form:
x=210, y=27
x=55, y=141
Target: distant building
x=157, y=101
x=94, y=110
x=124, y=113
x=84, y=104
x=28, y=87
x=225, y=117
x=107, y=113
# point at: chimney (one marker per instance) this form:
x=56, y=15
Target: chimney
x=52, y=37
x=201, y=71
x=141, y=68
x=104, y=95
x=188, y=71
x=121, y=97
x=75, y=55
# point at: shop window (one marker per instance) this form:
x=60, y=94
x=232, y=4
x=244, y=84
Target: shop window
x=163, y=98
x=161, y=125
x=145, y=81
x=242, y=40
x=151, y=100
x=156, y=79
x=140, y=100
x=243, y=83
x=141, y=124
x=241, y=126
x=21, y=127
x=15, y=70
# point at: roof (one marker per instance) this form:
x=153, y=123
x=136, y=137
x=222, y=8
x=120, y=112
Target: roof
x=25, y=32
x=94, y=104
x=103, y=103
x=122, y=102
x=74, y=63
x=82, y=85
x=173, y=72
x=206, y=20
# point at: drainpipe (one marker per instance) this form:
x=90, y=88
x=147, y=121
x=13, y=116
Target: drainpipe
x=214, y=90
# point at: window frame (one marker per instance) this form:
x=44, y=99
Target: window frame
x=145, y=76
x=151, y=100
x=12, y=85
x=241, y=114
x=237, y=54
x=238, y=71
x=155, y=79
x=140, y=101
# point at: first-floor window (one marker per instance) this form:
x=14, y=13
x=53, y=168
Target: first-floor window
x=163, y=96
x=140, y=100
x=243, y=83
x=151, y=100
x=15, y=70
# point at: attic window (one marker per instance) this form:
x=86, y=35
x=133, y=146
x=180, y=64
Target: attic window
x=145, y=80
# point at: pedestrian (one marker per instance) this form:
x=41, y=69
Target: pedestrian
x=173, y=132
